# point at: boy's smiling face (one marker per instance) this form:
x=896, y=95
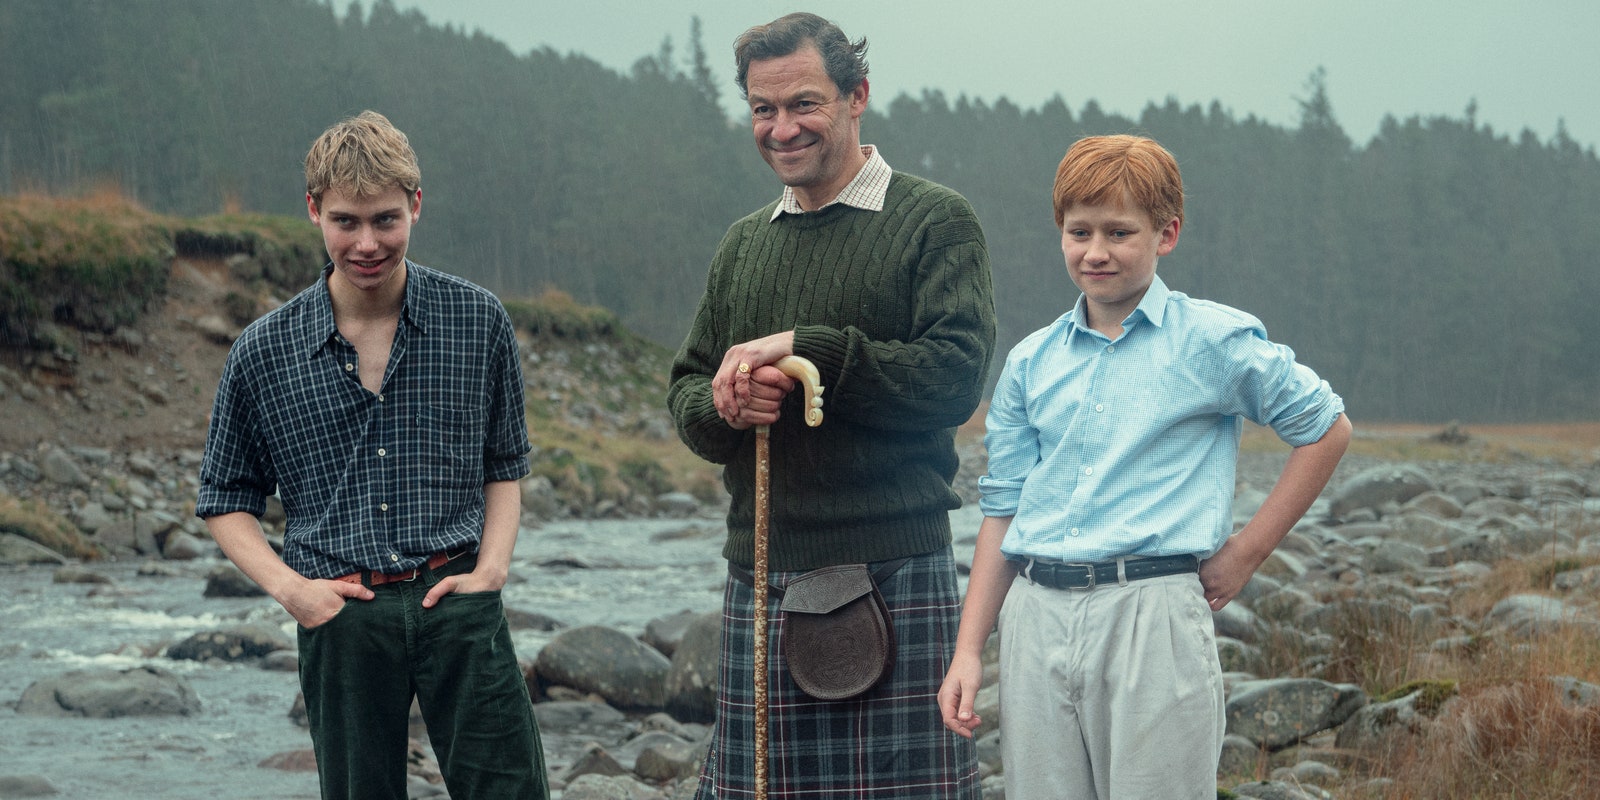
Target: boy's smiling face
x=1111, y=252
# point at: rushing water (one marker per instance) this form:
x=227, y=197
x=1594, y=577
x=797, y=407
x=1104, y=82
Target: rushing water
x=621, y=574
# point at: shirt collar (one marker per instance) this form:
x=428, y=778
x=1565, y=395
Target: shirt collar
x=1153, y=307
x=321, y=327
x=865, y=191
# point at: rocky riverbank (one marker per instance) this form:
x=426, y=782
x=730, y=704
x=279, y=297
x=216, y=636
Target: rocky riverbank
x=1411, y=593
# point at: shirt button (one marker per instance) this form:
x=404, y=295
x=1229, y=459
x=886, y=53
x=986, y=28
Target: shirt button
x=1088, y=470
x=383, y=506
x=380, y=398
x=1111, y=348
x=1099, y=406
x=349, y=367
x=382, y=452
x=394, y=557
x=1074, y=531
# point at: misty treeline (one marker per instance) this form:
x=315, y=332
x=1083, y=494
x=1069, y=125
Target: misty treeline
x=1440, y=271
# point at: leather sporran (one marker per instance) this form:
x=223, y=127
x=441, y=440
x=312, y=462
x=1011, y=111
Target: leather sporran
x=838, y=639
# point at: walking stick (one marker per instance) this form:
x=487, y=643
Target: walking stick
x=805, y=372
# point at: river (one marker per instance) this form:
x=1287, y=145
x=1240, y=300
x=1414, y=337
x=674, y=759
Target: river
x=617, y=573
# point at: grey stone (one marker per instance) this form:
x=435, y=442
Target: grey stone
x=1378, y=486
x=677, y=504
x=1236, y=621
x=1277, y=790
x=596, y=720
x=232, y=644
x=609, y=787
x=594, y=760
x=691, y=683
x=22, y=786
x=664, y=633
x=1281, y=711
x=181, y=546
x=1240, y=756
x=105, y=694
x=1575, y=693
x=15, y=549
x=60, y=468
x=225, y=580
x=1396, y=556
x=1314, y=773
x=1528, y=615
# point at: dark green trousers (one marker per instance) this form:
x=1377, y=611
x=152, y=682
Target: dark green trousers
x=361, y=669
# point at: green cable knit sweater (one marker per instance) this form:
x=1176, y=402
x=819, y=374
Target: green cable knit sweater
x=895, y=309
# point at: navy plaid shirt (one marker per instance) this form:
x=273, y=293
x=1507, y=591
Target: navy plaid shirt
x=369, y=481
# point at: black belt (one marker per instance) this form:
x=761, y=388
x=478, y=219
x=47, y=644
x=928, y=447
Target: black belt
x=1056, y=575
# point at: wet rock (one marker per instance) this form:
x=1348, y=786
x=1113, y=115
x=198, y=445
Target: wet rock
x=664, y=757
x=595, y=720
x=233, y=644
x=76, y=574
x=226, y=580
x=21, y=786
x=291, y=761
x=594, y=760
x=677, y=504
x=520, y=620
x=104, y=694
x=625, y=671
x=691, y=683
x=181, y=546
x=664, y=633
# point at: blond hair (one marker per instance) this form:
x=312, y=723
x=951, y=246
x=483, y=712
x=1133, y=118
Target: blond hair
x=362, y=156
x=1099, y=170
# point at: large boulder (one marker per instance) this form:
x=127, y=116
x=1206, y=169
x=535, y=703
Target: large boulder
x=1378, y=487
x=691, y=687
x=16, y=551
x=625, y=671
x=105, y=694
x=1279, y=712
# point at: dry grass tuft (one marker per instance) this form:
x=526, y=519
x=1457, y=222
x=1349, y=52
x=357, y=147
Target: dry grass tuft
x=1507, y=741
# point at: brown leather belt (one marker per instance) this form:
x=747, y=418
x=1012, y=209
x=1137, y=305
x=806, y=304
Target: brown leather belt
x=372, y=577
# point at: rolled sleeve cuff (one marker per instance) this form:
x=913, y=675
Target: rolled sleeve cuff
x=999, y=498
x=1309, y=424
x=505, y=469
x=214, y=502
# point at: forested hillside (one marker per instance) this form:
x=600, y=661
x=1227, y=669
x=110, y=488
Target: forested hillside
x=1439, y=271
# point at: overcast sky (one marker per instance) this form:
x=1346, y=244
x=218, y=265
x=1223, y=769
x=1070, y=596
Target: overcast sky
x=1527, y=63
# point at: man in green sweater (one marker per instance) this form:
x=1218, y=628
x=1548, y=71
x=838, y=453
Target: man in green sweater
x=881, y=279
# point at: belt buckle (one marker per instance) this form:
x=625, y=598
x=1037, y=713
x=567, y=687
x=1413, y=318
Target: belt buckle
x=1088, y=570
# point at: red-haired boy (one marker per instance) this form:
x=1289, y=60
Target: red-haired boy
x=1105, y=545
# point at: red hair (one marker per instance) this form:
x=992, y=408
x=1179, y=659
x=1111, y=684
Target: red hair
x=1100, y=170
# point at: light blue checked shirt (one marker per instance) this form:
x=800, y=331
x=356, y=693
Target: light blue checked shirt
x=369, y=481
x=1102, y=448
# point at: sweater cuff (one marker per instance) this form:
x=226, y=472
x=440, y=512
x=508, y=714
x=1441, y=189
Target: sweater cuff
x=825, y=347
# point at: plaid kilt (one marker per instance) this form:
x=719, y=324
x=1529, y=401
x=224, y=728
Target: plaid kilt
x=887, y=744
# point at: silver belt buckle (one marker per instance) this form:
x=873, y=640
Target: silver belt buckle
x=1088, y=570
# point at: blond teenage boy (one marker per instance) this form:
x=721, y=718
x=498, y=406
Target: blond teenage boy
x=1105, y=545
x=384, y=405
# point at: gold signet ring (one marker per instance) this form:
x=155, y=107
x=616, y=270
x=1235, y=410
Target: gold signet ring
x=745, y=368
